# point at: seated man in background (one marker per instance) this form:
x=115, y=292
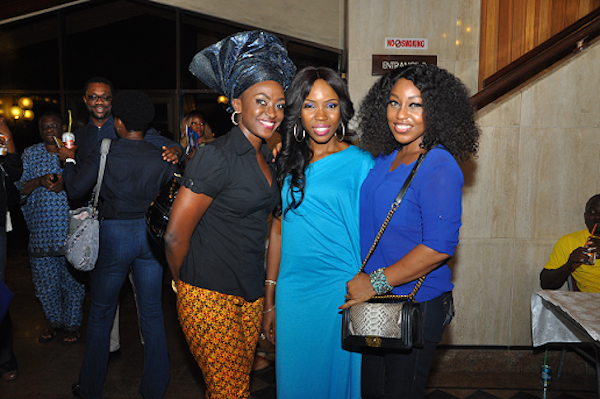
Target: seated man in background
x=570, y=255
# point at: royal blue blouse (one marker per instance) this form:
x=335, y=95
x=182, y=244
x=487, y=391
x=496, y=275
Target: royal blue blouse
x=429, y=214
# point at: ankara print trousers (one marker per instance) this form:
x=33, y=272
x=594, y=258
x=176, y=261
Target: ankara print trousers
x=222, y=332
x=59, y=292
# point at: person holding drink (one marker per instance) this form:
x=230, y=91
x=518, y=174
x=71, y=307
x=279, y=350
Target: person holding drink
x=575, y=254
x=46, y=212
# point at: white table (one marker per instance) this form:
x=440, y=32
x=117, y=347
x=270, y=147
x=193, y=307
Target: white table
x=567, y=317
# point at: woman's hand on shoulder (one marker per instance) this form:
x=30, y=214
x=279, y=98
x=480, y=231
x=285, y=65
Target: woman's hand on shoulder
x=172, y=154
x=359, y=290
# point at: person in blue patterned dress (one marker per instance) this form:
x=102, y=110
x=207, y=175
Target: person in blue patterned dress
x=46, y=211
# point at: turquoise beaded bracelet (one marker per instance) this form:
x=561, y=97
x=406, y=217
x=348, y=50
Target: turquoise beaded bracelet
x=379, y=282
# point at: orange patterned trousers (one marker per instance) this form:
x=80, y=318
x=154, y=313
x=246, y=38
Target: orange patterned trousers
x=221, y=331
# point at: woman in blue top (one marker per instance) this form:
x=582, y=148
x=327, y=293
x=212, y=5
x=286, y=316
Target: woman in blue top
x=317, y=240
x=411, y=111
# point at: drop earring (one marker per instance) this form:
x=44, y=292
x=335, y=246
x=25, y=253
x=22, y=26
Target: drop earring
x=299, y=140
x=343, y=133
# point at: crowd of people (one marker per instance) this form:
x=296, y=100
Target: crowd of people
x=324, y=198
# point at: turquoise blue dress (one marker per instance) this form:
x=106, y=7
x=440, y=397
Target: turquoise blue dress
x=320, y=252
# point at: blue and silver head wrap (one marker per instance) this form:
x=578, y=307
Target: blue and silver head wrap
x=239, y=61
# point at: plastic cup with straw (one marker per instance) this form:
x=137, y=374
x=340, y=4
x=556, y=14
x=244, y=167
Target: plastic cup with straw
x=68, y=138
x=590, y=247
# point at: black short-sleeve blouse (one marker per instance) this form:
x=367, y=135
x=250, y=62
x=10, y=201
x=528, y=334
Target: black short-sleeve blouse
x=228, y=245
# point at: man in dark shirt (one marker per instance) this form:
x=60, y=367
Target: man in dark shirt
x=98, y=100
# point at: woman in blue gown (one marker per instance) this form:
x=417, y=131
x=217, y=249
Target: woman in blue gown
x=314, y=246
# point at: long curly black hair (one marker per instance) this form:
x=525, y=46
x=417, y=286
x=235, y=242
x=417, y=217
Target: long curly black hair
x=295, y=156
x=447, y=112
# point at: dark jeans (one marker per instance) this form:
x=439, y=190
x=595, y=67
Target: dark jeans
x=8, y=362
x=389, y=374
x=125, y=244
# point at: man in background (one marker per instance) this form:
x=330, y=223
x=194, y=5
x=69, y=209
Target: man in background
x=573, y=255
x=98, y=100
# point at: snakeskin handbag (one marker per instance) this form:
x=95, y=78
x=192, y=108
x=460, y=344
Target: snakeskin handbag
x=386, y=321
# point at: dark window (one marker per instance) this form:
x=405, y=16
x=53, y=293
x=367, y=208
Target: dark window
x=29, y=54
x=133, y=43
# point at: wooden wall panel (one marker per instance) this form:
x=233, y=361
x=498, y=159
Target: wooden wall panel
x=543, y=20
x=518, y=22
x=530, y=22
x=511, y=28
x=504, y=31
x=571, y=12
x=557, y=16
x=488, y=52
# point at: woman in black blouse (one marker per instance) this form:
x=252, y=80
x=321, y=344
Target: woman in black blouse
x=215, y=238
x=134, y=174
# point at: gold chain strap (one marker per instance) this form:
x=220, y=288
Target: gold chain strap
x=384, y=225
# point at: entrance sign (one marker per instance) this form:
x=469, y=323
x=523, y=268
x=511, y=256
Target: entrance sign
x=386, y=62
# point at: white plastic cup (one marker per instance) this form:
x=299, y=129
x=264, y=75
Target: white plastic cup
x=68, y=139
x=3, y=148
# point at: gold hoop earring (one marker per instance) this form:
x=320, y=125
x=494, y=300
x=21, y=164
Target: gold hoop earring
x=233, y=118
x=299, y=140
x=343, y=133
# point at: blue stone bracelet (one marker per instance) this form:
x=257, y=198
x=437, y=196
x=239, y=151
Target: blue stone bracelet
x=379, y=282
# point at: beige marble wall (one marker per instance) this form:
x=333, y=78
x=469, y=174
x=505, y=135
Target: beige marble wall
x=538, y=165
x=316, y=21
x=451, y=27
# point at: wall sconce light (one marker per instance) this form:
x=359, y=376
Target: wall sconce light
x=25, y=103
x=21, y=109
x=222, y=100
x=28, y=115
x=15, y=112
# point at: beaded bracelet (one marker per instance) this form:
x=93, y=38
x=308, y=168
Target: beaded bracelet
x=379, y=282
x=270, y=282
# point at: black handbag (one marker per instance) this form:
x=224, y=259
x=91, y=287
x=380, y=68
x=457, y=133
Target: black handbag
x=386, y=321
x=159, y=211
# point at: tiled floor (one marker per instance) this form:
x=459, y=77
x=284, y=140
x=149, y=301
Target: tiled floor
x=48, y=370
